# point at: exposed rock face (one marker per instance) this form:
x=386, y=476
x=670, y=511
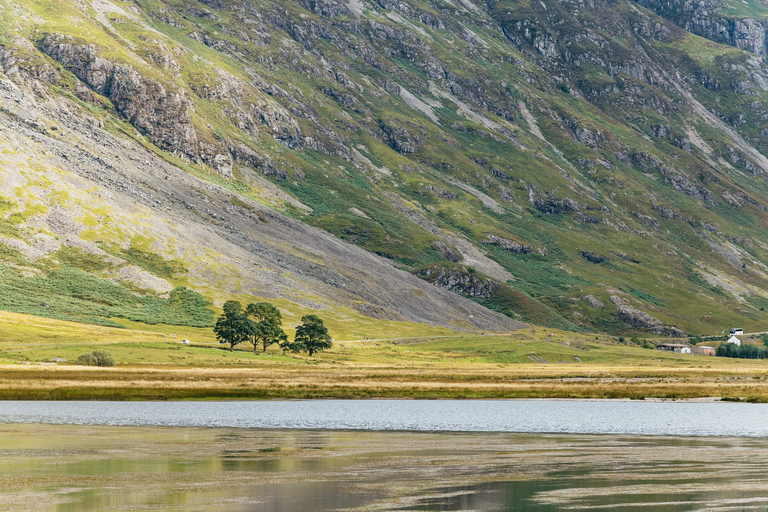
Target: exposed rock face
x=636, y=318
x=593, y=257
x=15, y=62
x=551, y=205
x=677, y=179
x=708, y=18
x=446, y=252
x=439, y=192
x=460, y=281
x=507, y=245
x=161, y=114
x=154, y=109
x=328, y=8
x=244, y=155
x=401, y=139
x=241, y=102
x=626, y=257
x=642, y=320
x=593, y=302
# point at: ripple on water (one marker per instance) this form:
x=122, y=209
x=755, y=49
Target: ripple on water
x=534, y=416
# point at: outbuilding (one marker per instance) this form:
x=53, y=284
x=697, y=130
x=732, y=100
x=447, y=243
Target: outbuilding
x=675, y=347
x=736, y=341
x=703, y=350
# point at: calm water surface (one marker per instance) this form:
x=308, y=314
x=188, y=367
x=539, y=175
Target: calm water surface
x=544, y=416
x=70, y=468
x=383, y=455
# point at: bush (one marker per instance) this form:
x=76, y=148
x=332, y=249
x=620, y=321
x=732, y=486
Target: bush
x=96, y=358
x=86, y=360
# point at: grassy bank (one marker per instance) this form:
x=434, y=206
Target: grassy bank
x=533, y=363
x=322, y=380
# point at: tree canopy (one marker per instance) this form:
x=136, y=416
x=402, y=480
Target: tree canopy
x=262, y=325
x=268, y=325
x=311, y=335
x=233, y=326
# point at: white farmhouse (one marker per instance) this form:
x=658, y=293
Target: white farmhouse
x=736, y=341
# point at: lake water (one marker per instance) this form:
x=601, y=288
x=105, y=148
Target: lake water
x=531, y=416
x=383, y=455
x=78, y=468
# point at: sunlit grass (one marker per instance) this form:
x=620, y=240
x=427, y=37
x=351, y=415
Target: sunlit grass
x=531, y=363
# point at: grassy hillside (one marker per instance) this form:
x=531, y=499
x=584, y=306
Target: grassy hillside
x=602, y=166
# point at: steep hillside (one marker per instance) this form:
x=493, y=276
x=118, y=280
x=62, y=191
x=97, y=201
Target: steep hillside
x=577, y=164
x=738, y=23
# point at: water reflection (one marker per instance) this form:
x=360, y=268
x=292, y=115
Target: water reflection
x=88, y=468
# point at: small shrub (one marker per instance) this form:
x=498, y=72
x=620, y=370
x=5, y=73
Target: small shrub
x=86, y=360
x=96, y=358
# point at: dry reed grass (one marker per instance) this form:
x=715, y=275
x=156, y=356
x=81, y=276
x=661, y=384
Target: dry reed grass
x=336, y=381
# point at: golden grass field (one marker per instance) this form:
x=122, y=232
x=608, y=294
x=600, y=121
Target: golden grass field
x=532, y=363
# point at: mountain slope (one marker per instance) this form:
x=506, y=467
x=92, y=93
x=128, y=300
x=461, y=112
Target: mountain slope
x=604, y=167
x=90, y=191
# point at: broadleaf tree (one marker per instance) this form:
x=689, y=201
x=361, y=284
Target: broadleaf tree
x=233, y=326
x=268, y=328
x=311, y=335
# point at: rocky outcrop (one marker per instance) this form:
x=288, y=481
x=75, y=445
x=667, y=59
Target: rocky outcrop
x=328, y=8
x=663, y=131
x=404, y=141
x=157, y=110
x=446, y=252
x=709, y=18
x=551, y=205
x=626, y=257
x=642, y=320
x=19, y=60
x=676, y=179
x=439, y=192
x=244, y=155
x=507, y=245
x=593, y=257
x=460, y=281
x=593, y=302
x=246, y=106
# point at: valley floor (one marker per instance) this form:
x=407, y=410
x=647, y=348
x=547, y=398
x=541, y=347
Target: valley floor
x=36, y=358
x=300, y=381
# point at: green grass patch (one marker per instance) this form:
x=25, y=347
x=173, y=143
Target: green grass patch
x=71, y=294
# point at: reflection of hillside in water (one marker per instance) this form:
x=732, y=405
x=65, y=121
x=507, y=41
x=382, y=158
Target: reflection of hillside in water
x=84, y=468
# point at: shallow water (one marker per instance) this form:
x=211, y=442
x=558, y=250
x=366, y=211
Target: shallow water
x=545, y=416
x=104, y=468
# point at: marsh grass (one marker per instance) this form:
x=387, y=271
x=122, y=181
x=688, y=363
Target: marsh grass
x=331, y=381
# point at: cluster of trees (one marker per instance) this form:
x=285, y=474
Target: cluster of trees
x=262, y=325
x=743, y=352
